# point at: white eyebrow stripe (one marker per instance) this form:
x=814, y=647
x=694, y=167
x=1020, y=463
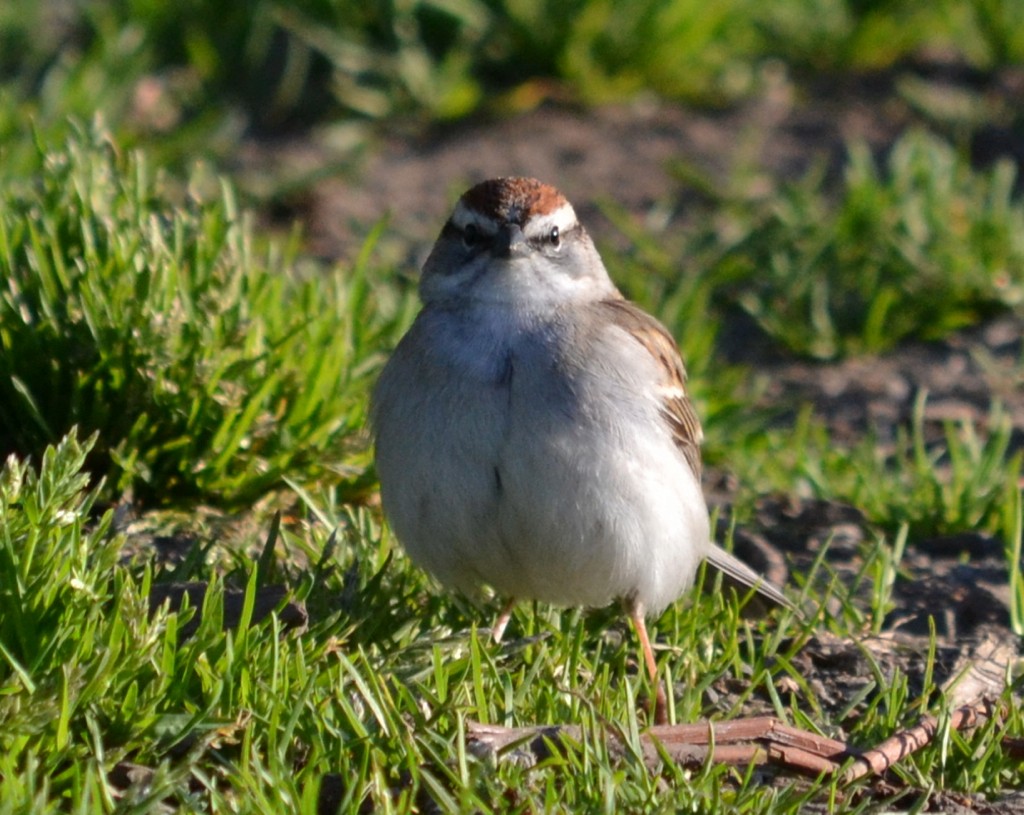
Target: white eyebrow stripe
x=564, y=217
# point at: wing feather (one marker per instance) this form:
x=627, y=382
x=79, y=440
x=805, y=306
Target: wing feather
x=676, y=407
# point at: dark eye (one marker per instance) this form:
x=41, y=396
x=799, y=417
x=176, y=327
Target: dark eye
x=470, y=236
x=555, y=237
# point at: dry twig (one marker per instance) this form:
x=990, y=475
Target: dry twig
x=766, y=740
x=757, y=740
x=971, y=689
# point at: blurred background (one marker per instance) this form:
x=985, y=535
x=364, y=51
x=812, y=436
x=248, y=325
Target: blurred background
x=336, y=113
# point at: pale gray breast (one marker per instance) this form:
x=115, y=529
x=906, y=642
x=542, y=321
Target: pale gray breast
x=439, y=413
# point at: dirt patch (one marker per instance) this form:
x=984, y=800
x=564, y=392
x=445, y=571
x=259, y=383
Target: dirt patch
x=634, y=155
x=962, y=376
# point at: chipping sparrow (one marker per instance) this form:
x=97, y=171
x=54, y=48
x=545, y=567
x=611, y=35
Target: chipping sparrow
x=533, y=428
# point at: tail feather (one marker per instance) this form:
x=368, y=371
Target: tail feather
x=744, y=578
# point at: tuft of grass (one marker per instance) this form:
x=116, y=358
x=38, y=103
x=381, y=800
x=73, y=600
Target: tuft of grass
x=963, y=480
x=209, y=361
x=913, y=247
x=683, y=50
x=822, y=36
x=927, y=247
x=919, y=250
x=49, y=559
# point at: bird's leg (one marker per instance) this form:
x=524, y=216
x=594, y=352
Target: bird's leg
x=501, y=623
x=659, y=704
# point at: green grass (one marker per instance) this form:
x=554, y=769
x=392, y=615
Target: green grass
x=377, y=691
x=913, y=249
x=208, y=362
x=965, y=481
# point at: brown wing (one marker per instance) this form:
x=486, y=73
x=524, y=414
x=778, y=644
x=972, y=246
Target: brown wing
x=676, y=406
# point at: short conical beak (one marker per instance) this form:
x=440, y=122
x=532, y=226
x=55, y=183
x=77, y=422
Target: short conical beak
x=509, y=240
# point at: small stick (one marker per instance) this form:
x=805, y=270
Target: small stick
x=900, y=745
x=971, y=689
x=757, y=740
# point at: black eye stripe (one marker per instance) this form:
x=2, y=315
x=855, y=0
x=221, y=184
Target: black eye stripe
x=470, y=235
x=473, y=237
x=555, y=236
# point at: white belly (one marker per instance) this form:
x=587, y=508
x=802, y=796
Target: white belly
x=544, y=481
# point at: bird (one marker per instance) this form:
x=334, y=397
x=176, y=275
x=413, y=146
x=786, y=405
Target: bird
x=533, y=429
